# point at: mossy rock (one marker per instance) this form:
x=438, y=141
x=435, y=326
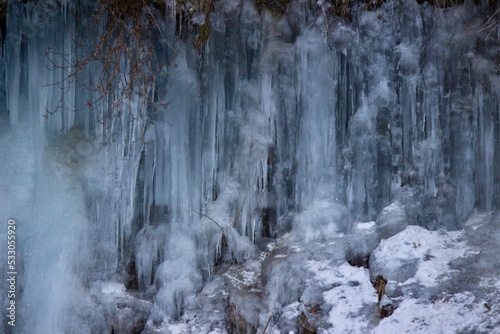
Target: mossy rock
x=374, y=4
x=132, y=8
x=442, y=3
x=277, y=7
x=203, y=35
x=3, y=10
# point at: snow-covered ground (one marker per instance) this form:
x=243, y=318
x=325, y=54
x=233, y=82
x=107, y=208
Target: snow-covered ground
x=429, y=286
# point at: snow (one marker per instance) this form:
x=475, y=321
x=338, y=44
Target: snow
x=365, y=226
x=452, y=314
x=447, y=313
x=418, y=255
x=112, y=288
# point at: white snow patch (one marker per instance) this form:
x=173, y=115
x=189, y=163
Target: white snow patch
x=178, y=328
x=432, y=251
x=112, y=288
x=352, y=290
x=449, y=315
x=365, y=226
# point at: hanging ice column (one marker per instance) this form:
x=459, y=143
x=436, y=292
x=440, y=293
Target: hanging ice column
x=316, y=102
x=173, y=166
x=318, y=187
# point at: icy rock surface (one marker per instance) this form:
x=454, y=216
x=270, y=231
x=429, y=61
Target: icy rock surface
x=412, y=254
x=391, y=220
x=337, y=297
x=122, y=312
x=361, y=242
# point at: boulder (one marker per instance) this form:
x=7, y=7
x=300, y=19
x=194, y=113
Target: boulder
x=391, y=220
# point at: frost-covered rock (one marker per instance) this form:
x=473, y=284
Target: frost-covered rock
x=386, y=307
x=417, y=255
x=348, y=296
x=205, y=312
x=283, y=289
x=391, y=220
x=409, y=198
x=363, y=240
x=122, y=311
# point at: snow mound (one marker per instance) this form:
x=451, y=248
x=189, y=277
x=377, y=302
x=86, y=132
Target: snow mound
x=417, y=255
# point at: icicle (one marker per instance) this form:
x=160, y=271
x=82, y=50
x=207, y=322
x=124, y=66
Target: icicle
x=13, y=60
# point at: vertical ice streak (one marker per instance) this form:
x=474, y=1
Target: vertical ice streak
x=13, y=60
x=317, y=150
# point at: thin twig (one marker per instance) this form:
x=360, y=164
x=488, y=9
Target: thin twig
x=484, y=25
x=202, y=214
x=267, y=324
x=159, y=29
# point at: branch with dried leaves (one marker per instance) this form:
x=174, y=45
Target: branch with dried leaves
x=115, y=61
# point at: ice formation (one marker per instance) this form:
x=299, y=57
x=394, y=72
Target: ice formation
x=288, y=144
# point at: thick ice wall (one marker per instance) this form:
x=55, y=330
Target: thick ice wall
x=274, y=118
x=35, y=41
x=76, y=186
x=416, y=80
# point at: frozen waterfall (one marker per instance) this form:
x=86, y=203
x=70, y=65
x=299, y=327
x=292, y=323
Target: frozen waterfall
x=284, y=134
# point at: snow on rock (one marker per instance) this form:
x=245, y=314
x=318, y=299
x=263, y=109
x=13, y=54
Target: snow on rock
x=362, y=241
x=365, y=237
x=391, y=220
x=459, y=313
x=122, y=311
x=417, y=255
x=350, y=296
x=112, y=288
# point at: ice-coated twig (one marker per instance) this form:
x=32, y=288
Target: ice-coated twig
x=267, y=324
x=205, y=215
x=158, y=26
x=485, y=25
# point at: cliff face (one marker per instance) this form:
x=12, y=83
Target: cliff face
x=273, y=121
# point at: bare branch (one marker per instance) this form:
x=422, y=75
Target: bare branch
x=207, y=216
